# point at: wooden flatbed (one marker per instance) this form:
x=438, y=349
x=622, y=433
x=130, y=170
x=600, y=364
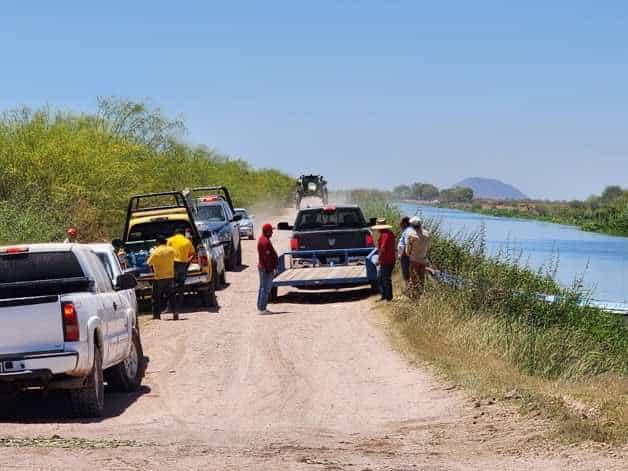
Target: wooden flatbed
x=322, y=275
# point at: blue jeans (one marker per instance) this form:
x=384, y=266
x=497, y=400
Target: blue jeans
x=265, y=285
x=385, y=281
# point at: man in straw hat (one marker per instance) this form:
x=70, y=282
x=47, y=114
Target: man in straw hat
x=386, y=258
x=417, y=248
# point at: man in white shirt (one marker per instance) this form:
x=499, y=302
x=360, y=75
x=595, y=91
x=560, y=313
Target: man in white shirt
x=404, y=259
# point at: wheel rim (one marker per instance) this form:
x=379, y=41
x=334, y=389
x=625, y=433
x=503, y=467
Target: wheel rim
x=131, y=362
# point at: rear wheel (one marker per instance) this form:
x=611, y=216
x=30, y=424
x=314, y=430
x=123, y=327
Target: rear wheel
x=89, y=401
x=232, y=259
x=127, y=376
x=223, y=279
x=208, y=298
x=239, y=256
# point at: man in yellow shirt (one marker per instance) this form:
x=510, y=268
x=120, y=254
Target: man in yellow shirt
x=184, y=253
x=162, y=262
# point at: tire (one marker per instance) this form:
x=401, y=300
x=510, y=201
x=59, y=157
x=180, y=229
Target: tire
x=223, y=279
x=127, y=376
x=239, y=256
x=232, y=259
x=208, y=298
x=89, y=401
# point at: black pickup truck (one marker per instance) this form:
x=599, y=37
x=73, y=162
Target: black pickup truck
x=329, y=228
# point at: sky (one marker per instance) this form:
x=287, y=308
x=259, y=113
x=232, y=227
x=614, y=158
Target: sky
x=368, y=93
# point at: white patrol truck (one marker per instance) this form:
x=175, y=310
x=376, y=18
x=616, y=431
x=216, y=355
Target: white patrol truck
x=66, y=325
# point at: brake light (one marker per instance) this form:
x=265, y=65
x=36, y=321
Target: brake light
x=294, y=244
x=203, y=257
x=329, y=209
x=14, y=250
x=71, y=331
x=369, y=240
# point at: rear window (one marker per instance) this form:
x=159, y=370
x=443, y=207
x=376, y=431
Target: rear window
x=337, y=218
x=210, y=213
x=150, y=230
x=39, y=266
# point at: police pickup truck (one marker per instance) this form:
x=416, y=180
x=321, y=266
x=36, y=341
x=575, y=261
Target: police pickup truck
x=66, y=326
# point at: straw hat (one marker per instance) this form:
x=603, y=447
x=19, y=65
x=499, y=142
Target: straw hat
x=415, y=221
x=381, y=225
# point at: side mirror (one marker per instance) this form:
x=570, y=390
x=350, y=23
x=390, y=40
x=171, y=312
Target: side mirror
x=372, y=222
x=126, y=281
x=284, y=226
x=237, y=217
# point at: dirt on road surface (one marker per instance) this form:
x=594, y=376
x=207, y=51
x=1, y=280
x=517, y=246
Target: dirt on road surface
x=314, y=386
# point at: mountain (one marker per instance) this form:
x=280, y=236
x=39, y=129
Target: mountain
x=489, y=188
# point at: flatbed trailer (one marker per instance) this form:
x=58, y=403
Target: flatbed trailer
x=302, y=269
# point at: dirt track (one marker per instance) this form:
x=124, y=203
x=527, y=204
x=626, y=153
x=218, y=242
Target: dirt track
x=314, y=386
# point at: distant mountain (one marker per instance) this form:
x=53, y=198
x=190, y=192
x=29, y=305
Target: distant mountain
x=489, y=188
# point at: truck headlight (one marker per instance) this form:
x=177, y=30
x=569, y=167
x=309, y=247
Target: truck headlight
x=311, y=186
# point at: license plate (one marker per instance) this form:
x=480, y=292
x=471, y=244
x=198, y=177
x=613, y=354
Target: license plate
x=12, y=366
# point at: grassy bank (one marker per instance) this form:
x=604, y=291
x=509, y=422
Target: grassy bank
x=493, y=335
x=607, y=213
x=61, y=169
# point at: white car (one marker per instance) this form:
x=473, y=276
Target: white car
x=66, y=325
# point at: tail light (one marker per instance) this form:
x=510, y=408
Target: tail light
x=369, y=240
x=294, y=244
x=15, y=250
x=203, y=257
x=71, y=331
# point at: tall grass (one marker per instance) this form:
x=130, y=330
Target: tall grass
x=59, y=169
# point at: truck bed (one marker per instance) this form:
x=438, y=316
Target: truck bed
x=322, y=276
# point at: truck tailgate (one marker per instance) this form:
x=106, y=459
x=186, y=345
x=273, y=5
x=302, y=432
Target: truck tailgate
x=29, y=325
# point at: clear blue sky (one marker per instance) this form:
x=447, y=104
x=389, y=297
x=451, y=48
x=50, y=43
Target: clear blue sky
x=368, y=93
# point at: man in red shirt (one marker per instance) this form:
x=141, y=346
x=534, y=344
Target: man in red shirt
x=267, y=265
x=386, y=259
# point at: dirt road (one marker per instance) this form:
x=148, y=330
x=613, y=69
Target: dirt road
x=315, y=386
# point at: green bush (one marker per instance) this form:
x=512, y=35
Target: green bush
x=60, y=169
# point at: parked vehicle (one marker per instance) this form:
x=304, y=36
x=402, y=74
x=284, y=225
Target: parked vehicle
x=311, y=186
x=331, y=247
x=152, y=214
x=247, y=223
x=66, y=325
x=214, y=212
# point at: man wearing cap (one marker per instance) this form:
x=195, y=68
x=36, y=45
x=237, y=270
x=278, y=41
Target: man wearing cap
x=386, y=257
x=267, y=265
x=418, y=246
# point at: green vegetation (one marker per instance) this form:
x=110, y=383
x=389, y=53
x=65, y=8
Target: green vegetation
x=61, y=169
x=490, y=331
x=607, y=213
x=428, y=192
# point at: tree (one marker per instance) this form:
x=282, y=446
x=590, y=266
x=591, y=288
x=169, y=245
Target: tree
x=611, y=193
x=402, y=192
x=424, y=191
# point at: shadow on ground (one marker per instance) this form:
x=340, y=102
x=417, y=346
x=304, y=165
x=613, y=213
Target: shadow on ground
x=324, y=296
x=53, y=407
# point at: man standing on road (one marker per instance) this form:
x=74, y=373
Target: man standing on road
x=162, y=263
x=386, y=259
x=418, y=246
x=267, y=265
x=184, y=253
x=404, y=260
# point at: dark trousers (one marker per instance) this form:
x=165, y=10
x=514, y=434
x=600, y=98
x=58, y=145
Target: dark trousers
x=385, y=281
x=162, y=293
x=180, y=274
x=404, y=262
x=417, y=276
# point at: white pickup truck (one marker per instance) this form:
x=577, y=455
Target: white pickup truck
x=64, y=324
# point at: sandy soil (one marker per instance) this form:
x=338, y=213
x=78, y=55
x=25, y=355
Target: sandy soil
x=314, y=386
